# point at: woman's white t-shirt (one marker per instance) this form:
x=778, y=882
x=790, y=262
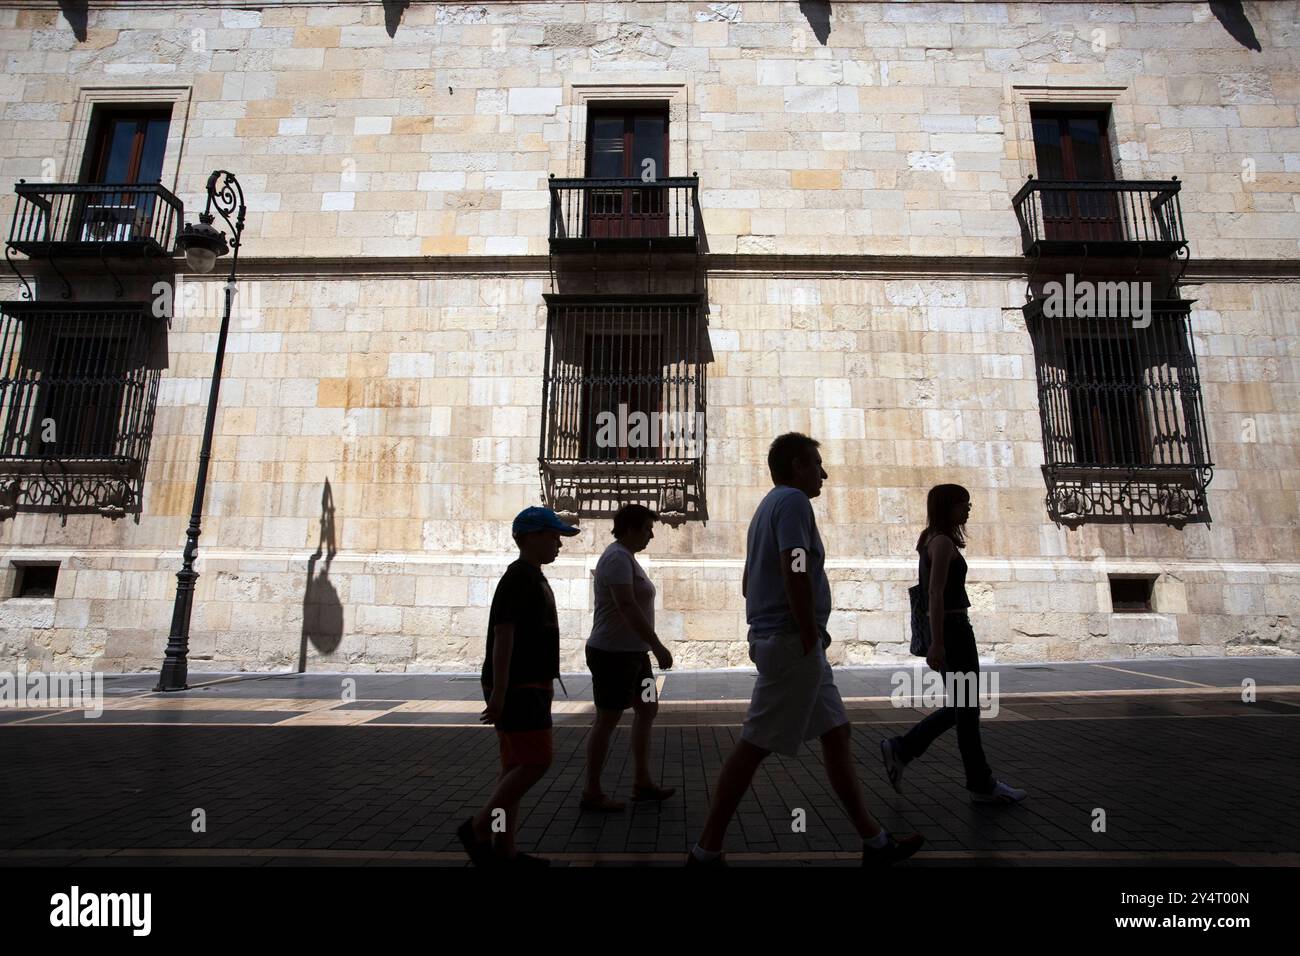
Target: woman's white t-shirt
x=610, y=631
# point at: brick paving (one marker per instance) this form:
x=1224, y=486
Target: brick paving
x=1186, y=774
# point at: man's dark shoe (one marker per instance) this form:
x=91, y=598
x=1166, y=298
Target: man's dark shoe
x=479, y=852
x=528, y=860
x=897, y=849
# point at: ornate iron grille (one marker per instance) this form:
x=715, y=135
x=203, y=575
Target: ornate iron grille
x=623, y=405
x=1114, y=217
x=75, y=219
x=78, y=392
x=624, y=212
x=1124, y=432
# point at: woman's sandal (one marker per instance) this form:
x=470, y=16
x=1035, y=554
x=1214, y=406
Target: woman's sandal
x=655, y=794
x=601, y=804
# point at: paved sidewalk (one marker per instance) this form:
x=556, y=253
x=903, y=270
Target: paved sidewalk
x=289, y=770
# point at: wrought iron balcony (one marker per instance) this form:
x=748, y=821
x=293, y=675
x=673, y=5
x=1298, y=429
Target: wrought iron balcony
x=625, y=213
x=1124, y=434
x=78, y=219
x=623, y=402
x=1121, y=218
x=78, y=391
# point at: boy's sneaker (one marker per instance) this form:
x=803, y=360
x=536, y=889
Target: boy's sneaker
x=693, y=860
x=893, y=763
x=1001, y=793
x=897, y=849
x=479, y=852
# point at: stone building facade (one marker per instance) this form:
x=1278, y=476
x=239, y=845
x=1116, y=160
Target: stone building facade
x=853, y=261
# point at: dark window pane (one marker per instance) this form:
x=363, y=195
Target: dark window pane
x=623, y=377
x=121, y=148
x=155, y=143
x=1107, y=416
x=607, y=159
x=1047, y=148
x=1086, y=143
x=83, y=395
x=648, y=144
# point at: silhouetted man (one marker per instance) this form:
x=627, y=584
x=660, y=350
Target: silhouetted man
x=787, y=605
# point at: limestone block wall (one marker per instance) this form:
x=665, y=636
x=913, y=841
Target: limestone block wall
x=388, y=338
x=906, y=132
x=427, y=437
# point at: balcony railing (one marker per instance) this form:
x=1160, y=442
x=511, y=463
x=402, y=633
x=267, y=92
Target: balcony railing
x=1118, y=218
x=623, y=402
x=587, y=213
x=1124, y=434
x=78, y=219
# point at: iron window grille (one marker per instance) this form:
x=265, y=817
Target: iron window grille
x=1124, y=433
x=78, y=392
x=623, y=405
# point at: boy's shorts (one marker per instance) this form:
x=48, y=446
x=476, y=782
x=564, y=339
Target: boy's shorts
x=795, y=697
x=524, y=728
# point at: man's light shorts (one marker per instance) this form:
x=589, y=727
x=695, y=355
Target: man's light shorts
x=795, y=697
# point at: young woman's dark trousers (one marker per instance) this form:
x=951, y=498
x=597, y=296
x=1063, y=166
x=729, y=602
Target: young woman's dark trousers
x=960, y=657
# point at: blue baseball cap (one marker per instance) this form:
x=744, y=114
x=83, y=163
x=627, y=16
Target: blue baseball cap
x=541, y=519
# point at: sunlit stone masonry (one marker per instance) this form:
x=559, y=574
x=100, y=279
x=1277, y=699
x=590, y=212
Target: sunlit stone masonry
x=585, y=254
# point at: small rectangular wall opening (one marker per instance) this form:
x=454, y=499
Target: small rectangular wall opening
x=1131, y=593
x=35, y=580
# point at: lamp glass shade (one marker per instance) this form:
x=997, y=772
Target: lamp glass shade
x=200, y=259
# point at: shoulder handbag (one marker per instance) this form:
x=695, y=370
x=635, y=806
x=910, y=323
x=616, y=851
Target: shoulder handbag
x=920, y=618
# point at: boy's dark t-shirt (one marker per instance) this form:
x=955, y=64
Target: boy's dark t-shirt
x=524, y=598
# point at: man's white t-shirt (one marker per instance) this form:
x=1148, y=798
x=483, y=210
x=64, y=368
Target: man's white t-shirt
x=609, y=629
x=783, y=521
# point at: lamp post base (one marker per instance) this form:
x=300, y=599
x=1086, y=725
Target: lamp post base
x=175, y=669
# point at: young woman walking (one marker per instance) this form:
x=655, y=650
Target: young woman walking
x=952, y=652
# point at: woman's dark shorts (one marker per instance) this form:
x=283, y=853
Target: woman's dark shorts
x=618, y=678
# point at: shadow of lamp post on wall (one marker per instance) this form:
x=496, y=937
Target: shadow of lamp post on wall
x=203, y=244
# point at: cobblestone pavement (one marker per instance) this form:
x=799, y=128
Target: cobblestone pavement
x=289, y=770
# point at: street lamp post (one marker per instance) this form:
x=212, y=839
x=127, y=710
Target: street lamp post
x=203, y=244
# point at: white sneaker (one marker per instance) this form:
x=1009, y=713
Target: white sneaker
x=1001, y=793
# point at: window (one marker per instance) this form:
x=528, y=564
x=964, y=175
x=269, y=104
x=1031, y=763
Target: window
x=127, y=145
x=77, y=403
x=627, y=143
x=622, y=389
x=623, y=403
x=81, y=401
x=1114, y=395
x=36, y=580
x=1073, y=146
x=126, y=148
x=1108, y=418
x=69, y=399
x=1123, y=423
x=1132, y=592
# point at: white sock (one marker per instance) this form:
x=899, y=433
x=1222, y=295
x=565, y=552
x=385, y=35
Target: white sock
x=705, y=856
x=879, y=840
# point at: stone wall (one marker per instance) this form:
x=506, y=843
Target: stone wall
x=411, y=381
